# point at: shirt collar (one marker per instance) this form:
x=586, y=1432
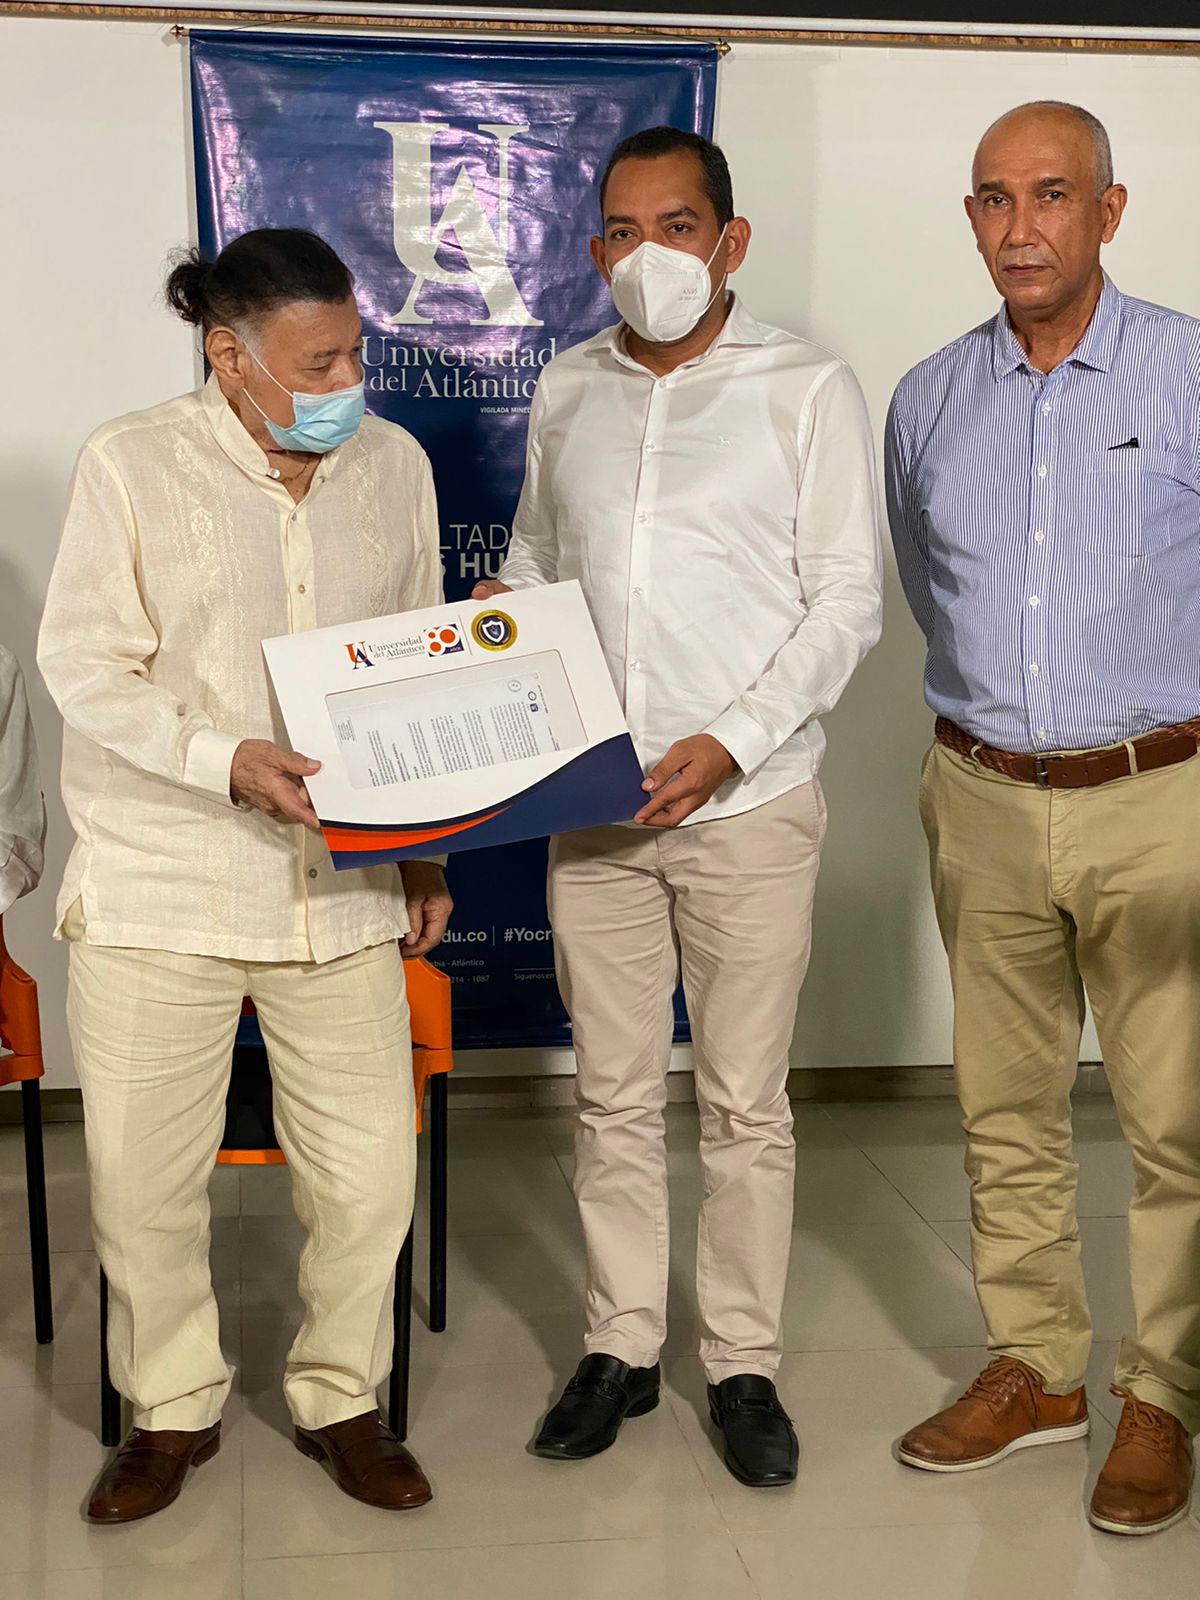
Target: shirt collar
x=1097, y=348
x=739, y=328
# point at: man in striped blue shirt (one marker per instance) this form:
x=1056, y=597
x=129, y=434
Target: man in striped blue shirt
x=1044, y=496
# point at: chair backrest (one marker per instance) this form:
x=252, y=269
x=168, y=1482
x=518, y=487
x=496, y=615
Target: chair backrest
x=20, y=1025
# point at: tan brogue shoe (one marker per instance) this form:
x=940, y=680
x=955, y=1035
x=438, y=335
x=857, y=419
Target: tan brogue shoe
x=148, y=1471
x=1146, y=1483
x=1005, y=1409
x=369, y=1462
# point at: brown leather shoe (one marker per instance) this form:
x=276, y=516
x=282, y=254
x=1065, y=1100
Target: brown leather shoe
x=148, y=1471
x=1005, y=1409
x=1146, y=1483
x=368, y=1461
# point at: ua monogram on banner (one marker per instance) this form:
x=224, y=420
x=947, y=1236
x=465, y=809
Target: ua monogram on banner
x=417, y=237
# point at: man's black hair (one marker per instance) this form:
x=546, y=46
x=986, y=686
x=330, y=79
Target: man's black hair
x=652, y=142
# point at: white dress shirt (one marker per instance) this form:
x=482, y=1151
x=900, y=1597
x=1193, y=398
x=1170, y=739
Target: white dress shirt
x=181, y=553
x=22, y=810
x=723, y=523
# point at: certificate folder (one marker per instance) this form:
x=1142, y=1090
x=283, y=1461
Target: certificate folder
x=458, y=726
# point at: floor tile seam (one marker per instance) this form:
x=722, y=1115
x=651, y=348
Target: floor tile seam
x=526, y=1541
x=646, y=1539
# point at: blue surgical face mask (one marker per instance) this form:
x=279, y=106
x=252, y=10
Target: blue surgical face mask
x=323, y=421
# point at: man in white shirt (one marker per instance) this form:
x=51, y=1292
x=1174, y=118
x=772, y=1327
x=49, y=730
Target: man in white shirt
x=710, y=482
x=264, y=504
x=22, y=810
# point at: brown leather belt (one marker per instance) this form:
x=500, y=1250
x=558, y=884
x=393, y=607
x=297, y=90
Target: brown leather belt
x=1079, y=769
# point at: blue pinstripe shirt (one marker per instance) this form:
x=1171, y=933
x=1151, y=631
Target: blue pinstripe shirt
x=1047, y=528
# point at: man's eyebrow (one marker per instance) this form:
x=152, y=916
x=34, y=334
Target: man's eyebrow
x=328, y=355
x=663, y=216
x=995, y=187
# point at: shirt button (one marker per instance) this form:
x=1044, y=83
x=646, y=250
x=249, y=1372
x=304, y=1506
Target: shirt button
x=1034, y=601
x=1038, y=537
x=642, y=517
x=300, y=589
x=312, y=872
x=1042, y=734
x=1033, y=667
x=1041, y=472
x=273, y=472
x=635, y=666
x=650, y=447
x=638, y=592
x=1046, y=408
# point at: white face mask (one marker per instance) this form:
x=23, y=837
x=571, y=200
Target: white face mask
x=662, y=293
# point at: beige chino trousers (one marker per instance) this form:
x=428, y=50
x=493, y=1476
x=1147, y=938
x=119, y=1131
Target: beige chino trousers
x=153, y=1034
x=731, y=902
x=1041, y=894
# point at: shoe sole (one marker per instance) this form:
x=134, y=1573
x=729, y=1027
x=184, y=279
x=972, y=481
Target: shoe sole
x=317, y=1452
x=1027, y=1441
x=641, y=1408
x=198, y=1460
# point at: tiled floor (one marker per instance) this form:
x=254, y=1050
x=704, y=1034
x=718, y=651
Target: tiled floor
x=882, y=1327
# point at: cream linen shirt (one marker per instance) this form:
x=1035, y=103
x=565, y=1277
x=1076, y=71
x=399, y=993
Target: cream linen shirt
x=181, y=553
x=723, y=523
x=22, y=811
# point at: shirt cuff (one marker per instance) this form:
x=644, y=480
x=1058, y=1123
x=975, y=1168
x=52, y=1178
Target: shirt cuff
x=206, y=766
x=748, y=744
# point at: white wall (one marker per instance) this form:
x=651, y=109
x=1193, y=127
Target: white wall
x=851, y=165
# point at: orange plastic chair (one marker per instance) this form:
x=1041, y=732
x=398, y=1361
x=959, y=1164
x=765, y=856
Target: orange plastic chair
x=21, y=1033
x=249, y=1140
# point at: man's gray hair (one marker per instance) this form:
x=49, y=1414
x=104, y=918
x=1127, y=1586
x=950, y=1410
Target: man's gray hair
x=1101, y=147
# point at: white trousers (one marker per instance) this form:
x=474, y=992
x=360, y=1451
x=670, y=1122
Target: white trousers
x=731, y=902
x=153, y=1034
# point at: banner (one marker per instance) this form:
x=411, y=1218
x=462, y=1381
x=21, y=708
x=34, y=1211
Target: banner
x=457, y=182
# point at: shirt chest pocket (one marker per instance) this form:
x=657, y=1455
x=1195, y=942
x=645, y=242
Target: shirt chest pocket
x=1134, y=502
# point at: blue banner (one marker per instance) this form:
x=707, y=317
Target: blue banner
x=457, y=182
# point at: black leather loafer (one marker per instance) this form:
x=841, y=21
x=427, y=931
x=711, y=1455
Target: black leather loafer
x=603, y=1392
x=761, y=1448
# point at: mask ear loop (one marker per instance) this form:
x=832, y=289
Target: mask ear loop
x=273, y=379
x=724, y=281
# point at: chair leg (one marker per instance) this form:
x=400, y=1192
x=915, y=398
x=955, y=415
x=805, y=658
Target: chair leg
x=110, y=1400
x=401, y=1341
x=438, y=1127
x=39, y=1223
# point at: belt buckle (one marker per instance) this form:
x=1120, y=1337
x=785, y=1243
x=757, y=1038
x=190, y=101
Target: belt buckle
x=1040, y=773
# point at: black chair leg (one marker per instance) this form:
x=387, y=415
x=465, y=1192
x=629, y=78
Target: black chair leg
x=110, y=1400
x=401, y=1341
x=39, y=1223
x=438, y=1127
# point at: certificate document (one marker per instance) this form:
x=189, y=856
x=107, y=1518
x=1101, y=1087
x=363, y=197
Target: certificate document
x=457, y=726
x=477, y=716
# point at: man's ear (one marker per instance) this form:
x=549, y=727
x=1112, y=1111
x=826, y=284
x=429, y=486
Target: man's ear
x=737, y=243
x=221, y=347
x=597, y=251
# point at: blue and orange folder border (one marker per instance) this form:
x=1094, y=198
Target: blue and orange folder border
x=601, y=785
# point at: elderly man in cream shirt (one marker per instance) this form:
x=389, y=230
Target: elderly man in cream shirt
x=264, y=504
x=22, y=810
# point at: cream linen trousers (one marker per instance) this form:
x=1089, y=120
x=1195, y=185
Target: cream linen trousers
x=153, y=1035
x=1040, y=893
x=729, y=901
